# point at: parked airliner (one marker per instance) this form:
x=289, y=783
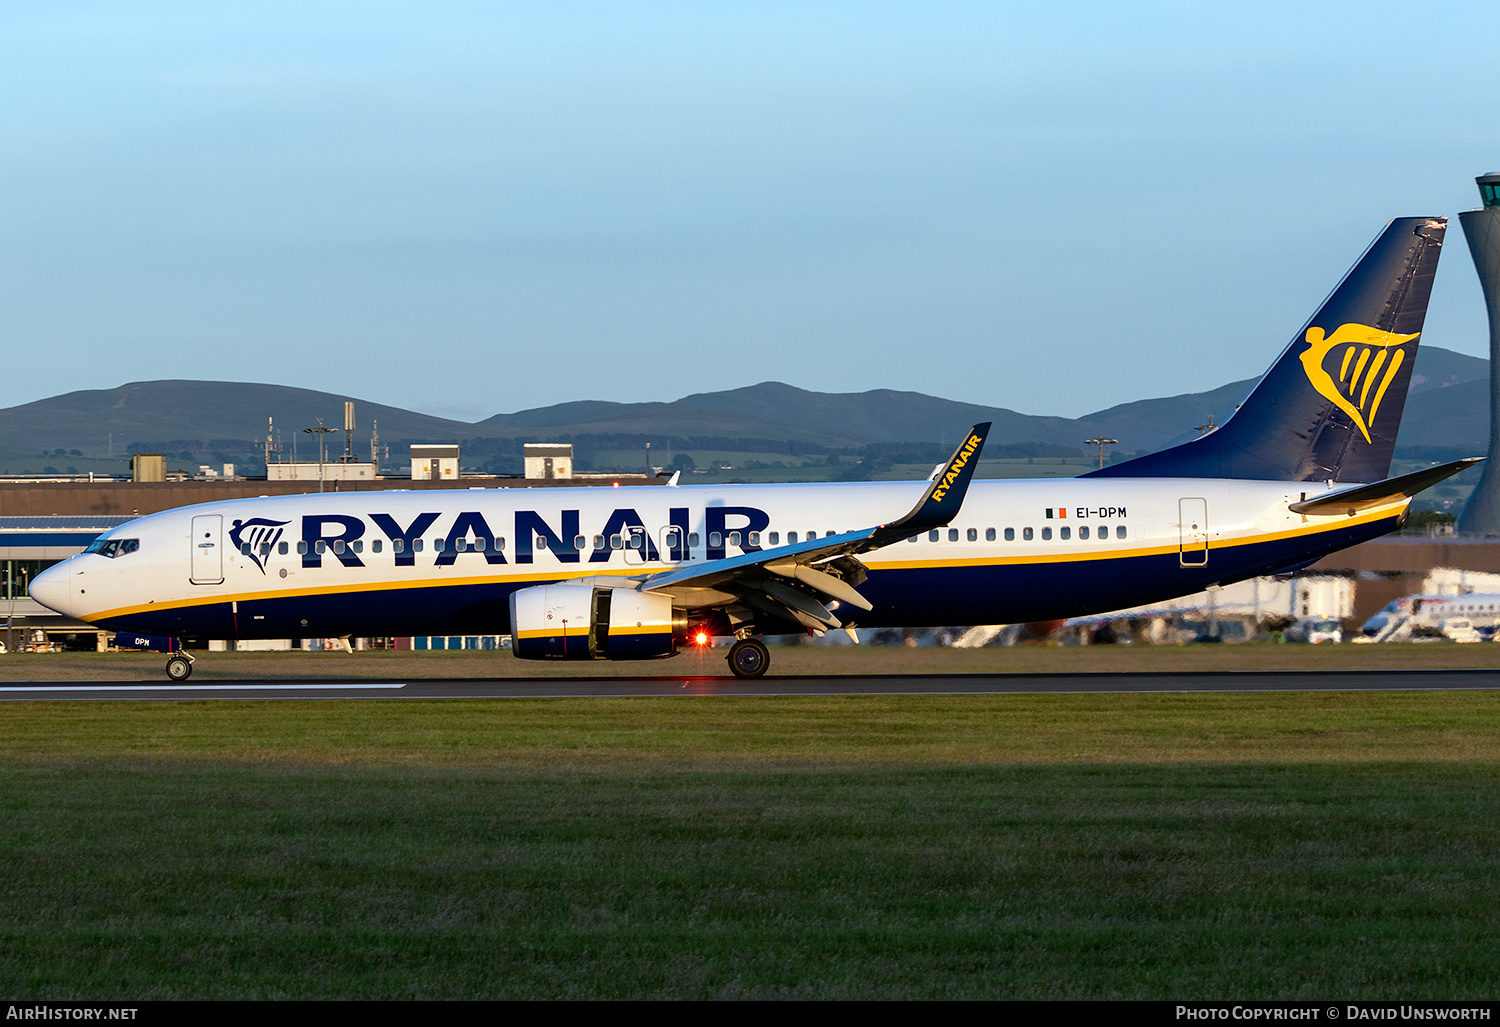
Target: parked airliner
x=637, y=573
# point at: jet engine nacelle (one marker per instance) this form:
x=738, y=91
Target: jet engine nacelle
x=579, y=622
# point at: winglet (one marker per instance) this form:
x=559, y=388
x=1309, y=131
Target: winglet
x=943, y=498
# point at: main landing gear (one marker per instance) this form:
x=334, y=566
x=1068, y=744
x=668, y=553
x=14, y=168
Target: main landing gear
x=180, y=667
x=749, y=658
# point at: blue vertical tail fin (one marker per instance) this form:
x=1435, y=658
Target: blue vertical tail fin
x=1330, y=407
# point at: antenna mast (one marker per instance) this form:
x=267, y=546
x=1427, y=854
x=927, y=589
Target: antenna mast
x=273, y=442
x=348, y=431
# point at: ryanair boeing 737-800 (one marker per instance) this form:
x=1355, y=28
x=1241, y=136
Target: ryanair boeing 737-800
x=1299, y=471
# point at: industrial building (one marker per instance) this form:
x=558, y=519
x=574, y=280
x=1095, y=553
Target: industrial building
x=545, y=460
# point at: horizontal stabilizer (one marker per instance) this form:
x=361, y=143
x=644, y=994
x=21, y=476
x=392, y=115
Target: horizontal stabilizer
x=1403, y=486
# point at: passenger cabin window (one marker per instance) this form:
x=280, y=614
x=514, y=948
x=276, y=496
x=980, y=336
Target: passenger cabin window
x=692, y=540
x=599, y=543
x=734, y=538
x=1119, y=531
x=1010, y=534
x=932, y=536
x=376, y=546
x=357, y=545
x=1046, y=533
x=715, y=540
x=416, y=545
x=791, y=538
x=302, y=548
x=989, y=534
x=281, y=548
x=499, y=543
x=1064, y=533
x=974, y=534
x=952, y=534
x=397, y=545
x=1026, y=534
x=580, y=543
x=320, y=546
x=541, y=541
x=338, y=545
x=775, y=538
x=755, y=538
x=1083, y=531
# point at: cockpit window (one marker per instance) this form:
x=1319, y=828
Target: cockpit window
x=113, y=547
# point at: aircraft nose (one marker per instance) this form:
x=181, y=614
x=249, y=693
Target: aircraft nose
x=53, y=588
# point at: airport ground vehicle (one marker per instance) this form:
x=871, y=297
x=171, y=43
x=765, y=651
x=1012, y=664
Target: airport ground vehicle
x=1315, y=631
x=637, y=573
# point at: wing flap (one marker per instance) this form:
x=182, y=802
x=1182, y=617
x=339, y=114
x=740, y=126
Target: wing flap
x=821, y=581
x=800, y=601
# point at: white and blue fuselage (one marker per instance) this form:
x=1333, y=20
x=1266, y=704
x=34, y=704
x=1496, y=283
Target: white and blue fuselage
x=446, y=562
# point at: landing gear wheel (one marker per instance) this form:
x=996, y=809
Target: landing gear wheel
x=178, y=668
x=749, y=658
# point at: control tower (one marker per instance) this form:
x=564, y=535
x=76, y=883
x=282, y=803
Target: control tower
x=1482, y=228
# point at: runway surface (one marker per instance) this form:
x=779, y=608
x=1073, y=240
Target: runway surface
x=947, y=684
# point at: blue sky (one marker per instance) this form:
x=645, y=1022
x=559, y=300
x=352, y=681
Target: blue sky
x=478, y=208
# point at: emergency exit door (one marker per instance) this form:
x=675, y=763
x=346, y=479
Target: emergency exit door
x=1193, y=514
x=208, y=549
x=637, y=545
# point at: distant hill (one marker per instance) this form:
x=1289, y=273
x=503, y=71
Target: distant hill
x=150, y=413
x=772, y=410
x=1448, y=407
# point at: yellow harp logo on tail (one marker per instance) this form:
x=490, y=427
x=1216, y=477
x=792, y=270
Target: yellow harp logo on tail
x=1367, y=364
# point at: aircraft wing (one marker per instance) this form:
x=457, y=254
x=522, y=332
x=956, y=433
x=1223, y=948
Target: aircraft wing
x=795, y=582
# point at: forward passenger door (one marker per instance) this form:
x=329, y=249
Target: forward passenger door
x=208, y=549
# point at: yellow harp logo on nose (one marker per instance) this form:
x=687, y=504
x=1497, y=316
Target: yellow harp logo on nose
x=1367, y=364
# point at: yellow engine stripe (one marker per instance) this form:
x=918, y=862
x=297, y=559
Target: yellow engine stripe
x=549, y=633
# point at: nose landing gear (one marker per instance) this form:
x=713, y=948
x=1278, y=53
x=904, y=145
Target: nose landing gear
x=179, y=660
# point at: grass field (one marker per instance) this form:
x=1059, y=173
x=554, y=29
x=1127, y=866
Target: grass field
x=1328, y=845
